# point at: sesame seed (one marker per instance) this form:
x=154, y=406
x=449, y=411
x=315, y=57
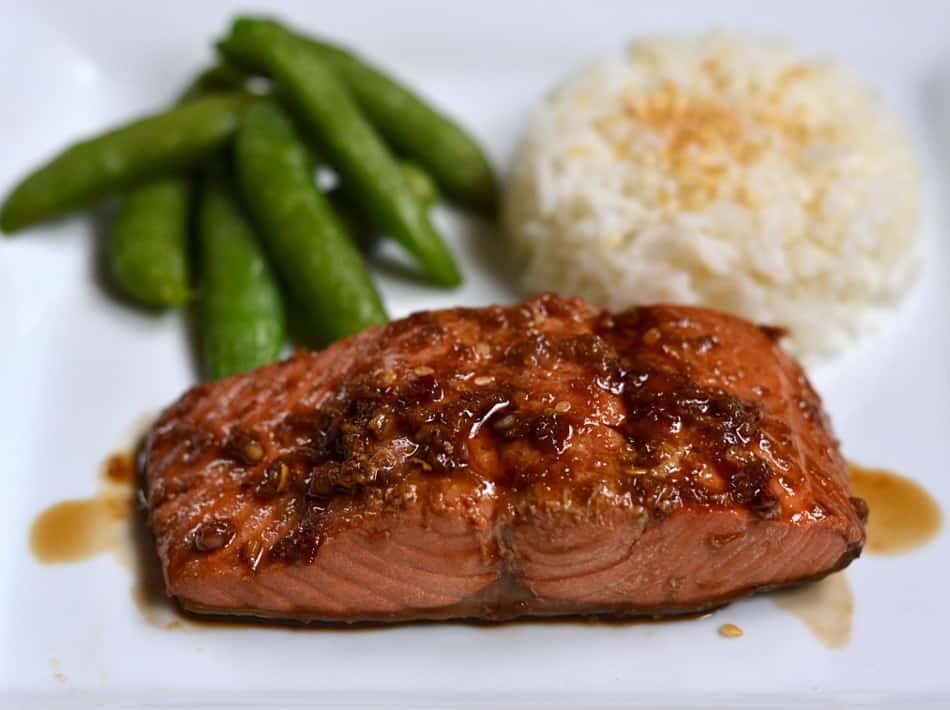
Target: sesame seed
x=694, y=129
x=483, y=380
x=483, y=349
x=284, y=480
x=730, y=631
x=389, y=377
x=423, y=370
x=251, y=553
x=562, y=407
x=253, y=450
x=424, y=465
x=506, y=422
x=651, y=336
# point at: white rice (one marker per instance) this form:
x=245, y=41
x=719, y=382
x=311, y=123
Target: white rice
x=720, y=171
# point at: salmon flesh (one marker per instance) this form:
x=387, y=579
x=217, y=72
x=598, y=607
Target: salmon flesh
x=541, y=459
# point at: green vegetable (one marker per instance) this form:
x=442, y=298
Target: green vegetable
x=421, y=184
x=147, y=250
x=113, y=161
x=365, y=165
x=417, y=130
x=242, y=314
x=305, y=238
x=217, y=78
x=413, y=127
x=366, y=234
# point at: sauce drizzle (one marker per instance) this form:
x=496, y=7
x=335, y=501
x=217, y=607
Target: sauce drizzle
x=903, y=515
x=77, y=530
x=825, y=607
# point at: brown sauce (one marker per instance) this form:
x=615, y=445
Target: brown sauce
x=825, y=607
x=596, y=620
x=903, y=515
x=76, y=530
x=110, y=522
x=155, y=607
x=229, y=621
x=119, y=468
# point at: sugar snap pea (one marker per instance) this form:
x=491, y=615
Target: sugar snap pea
x=353, y=148
x=217, y=78
x=309, y=245
x=147, y=248
x=421, y=184
x=147, y=148
x=242, y=313
x=362, y=229
x=412, y=126
x=417, y=130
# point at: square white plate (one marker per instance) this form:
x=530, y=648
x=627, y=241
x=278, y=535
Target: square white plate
x=76, y=367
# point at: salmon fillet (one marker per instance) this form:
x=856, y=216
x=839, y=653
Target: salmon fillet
x=541, y=459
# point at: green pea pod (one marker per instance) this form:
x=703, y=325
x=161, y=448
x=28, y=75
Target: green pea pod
x=147, y=250
x=353, y=148
x=306, y=240
x=421, y=184
x=150, y=147
x=366, y=234
x=413, y=127
x=242, y=313
x=217, y=78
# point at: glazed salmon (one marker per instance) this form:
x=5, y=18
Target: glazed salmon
x=540, y=459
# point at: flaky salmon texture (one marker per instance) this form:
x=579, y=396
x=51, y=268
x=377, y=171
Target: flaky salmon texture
x=541, y=459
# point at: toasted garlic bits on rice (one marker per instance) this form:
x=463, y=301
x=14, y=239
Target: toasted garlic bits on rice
x=722, y=171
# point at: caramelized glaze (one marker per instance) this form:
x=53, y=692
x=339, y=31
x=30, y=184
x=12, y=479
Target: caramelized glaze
x=667, y=439
x=503, y=462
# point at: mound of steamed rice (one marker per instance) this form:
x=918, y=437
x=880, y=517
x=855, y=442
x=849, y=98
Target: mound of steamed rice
x=720, y=171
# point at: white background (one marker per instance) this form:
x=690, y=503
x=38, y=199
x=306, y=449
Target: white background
x=76, y=367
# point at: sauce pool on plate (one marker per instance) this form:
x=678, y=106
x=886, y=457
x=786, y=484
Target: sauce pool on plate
x=903, y=515
x=76, y=530
x=826, y=607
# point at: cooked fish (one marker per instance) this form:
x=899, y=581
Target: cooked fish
x=540, y=459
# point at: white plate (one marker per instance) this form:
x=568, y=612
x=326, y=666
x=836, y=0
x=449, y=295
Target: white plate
x=76, y=368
